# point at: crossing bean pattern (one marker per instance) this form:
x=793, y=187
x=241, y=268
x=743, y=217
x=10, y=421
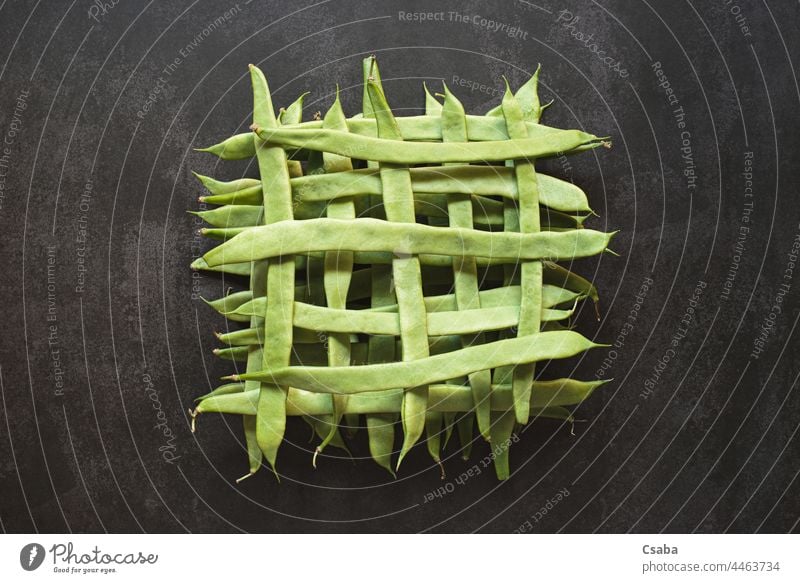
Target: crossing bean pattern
x=403, y=273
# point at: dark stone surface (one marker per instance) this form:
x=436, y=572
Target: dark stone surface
x=712, y=449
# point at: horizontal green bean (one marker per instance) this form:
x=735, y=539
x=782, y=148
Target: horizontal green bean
x=314, y=235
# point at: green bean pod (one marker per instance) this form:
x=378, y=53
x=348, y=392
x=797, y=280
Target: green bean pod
x=403, y=269
x=382, y=150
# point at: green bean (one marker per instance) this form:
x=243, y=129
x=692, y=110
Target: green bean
x=423, y=371
x=432, y=307
x=238, y=147
x=272, y=163
x=447, y=180
x=255, y=335
x=346, y=144
x=379, y=259
x=465, y=430
x=553, y=326
x=222, y=234
x=502, y=428
x=528, y=98
x=489, y=213
x=465, y=270
x=228, y=304
x=322, y=427
x=293, y=115
x=433, y=432
x=557, y=275
x=380, y=430
x=225, y=389
x=338, y=269
x=491, y=298
x=426, y=181
x=309, y=349
x=449, y=419
x=238, y=304
x=342, y=321
x=432, y=105
x=217, y=187
x=445, y=398
x=413, y=128
x=290, y=237
x=242, y=269
x=339, y=349
x=254, y=452
x=245, y=337
x=505, y=296
x=381, y=348
x=398, y=202
x=232, y=216
x=258, y=273
x=235, y=353
x=246, y=196
x=531, y=271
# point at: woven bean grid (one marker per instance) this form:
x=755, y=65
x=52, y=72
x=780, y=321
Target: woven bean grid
x=403, y=272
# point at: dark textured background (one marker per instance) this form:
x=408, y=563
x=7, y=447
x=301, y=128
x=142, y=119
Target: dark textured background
x=713, y=449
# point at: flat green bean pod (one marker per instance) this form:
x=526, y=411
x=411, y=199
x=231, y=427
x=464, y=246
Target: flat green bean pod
x=413, y=128
x=427, y=181
x=344, y=144
x=291, y=237
x=491, y=298
x=512, y=351
x=447, y=180
x=444, y=398
x=399, y=268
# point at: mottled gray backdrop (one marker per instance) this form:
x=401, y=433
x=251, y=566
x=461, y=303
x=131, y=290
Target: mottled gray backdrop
x=104, y=349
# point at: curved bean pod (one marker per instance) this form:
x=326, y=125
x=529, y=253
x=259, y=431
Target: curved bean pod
x=413, y=128
x=442, y=397
x=290, y=237
x=376, y=377
x=346, y=144
x=490, y=298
